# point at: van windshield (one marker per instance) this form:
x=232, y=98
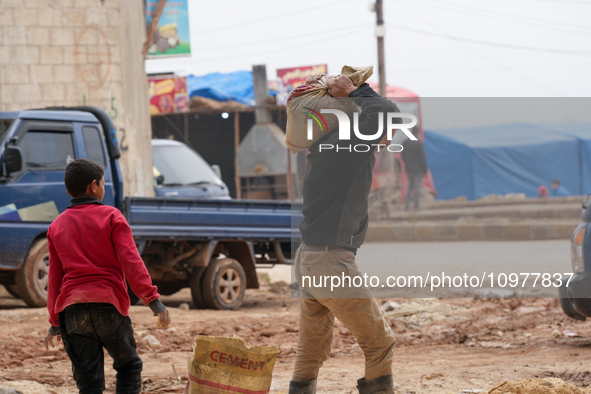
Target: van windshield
x=182, y=166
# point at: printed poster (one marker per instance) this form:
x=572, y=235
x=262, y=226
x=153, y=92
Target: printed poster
x=168, y=95
x=171, y=37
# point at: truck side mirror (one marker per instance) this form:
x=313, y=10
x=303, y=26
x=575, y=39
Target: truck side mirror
x=159, y=179
x=216, y=170
x=13, y=159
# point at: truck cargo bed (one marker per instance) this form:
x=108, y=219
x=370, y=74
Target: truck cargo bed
x=253, y=220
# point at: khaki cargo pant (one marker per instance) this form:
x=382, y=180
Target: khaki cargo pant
x=355, y=307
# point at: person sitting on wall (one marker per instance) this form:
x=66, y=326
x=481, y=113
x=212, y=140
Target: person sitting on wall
x=558, y=190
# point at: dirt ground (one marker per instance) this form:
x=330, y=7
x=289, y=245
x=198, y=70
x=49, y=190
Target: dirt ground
x=444, y=346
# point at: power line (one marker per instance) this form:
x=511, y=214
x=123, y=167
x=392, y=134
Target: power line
x=267, y=18
x=490, y=13
x=563, y=2
x=288, y=48
x=282, y=39
x=491, y=60
x=490, y=43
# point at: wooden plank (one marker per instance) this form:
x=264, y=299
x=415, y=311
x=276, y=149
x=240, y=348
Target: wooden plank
x=236, y=146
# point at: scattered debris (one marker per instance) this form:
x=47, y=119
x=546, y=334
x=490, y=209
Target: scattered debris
x=151, y=342
x=422, y=311
x=500, y=345
x=432, y=376
x=536, y=386
x=556, y=333
x=389, y=306
x=499, y=333
x=570, y=334
x=184, y=306
x=6, y=390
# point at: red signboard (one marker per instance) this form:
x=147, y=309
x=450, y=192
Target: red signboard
x=168, y=95
x=290, y=78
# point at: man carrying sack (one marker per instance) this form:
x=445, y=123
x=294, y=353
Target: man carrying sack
x=335, y=210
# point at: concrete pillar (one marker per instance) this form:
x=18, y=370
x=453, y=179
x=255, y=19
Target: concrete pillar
x=137, y=159
x=82, y=52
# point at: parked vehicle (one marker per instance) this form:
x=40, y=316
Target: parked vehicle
x=575, y=294
x=179, y=171
x=211, y=245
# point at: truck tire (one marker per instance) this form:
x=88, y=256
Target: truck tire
x=197, y=288
x=567, y=304
x=224, y=284
x=12, y=290
x=31, y=279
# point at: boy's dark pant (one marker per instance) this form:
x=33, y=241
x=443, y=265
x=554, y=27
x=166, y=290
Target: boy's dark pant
x=86, y=329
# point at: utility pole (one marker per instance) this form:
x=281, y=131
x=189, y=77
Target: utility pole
x=380, y=33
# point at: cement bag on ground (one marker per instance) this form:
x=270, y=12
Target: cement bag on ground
x=316, y=97
x=226, y=365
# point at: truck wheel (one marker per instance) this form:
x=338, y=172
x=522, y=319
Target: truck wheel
x=31, y=279
x=224, y=284
x=197, y=287
x=566, y=302
x=12, y=290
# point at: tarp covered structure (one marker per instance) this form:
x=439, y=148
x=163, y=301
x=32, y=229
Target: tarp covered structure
x=237, y=86
x=511, y=158
x=582, y=132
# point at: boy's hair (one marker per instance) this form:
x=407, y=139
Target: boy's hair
x=556, y=181
x=79, y=174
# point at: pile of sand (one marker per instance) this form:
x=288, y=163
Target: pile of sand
x=538, y=386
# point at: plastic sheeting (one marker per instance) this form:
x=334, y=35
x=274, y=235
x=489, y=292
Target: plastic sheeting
x=237, y=86
x=582, y=132
x=512, y=158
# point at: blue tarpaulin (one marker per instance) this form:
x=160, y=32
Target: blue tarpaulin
x=237, y=86
x=511, y=158
x=582, y=132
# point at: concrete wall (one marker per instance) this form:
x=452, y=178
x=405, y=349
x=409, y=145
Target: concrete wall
x=75, y=52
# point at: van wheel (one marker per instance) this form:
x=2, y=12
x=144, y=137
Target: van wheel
x=196, y=285
x=224, y=284
x=12, y=290
x=31, y=280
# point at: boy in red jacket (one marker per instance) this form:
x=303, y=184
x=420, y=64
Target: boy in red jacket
x=91, y=254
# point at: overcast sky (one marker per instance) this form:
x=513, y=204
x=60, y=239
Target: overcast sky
x=428, y=47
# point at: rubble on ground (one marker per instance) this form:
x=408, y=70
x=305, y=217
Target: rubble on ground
x=537, y=386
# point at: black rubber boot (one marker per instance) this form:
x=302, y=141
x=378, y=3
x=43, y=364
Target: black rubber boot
x=308, y=387
x=381, y=385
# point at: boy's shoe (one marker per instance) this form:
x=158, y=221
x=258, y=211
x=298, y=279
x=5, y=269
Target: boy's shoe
x=308, y=387
x=381, y=385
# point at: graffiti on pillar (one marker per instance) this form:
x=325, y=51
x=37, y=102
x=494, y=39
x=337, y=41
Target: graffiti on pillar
x=93, y=56
x=123, y=145
x=114, y=113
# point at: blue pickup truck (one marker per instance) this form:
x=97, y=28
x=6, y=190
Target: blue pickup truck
x=575, y=294
x=208, y=242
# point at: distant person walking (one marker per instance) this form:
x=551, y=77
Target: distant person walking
x=415, y=165
x=557, y=190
